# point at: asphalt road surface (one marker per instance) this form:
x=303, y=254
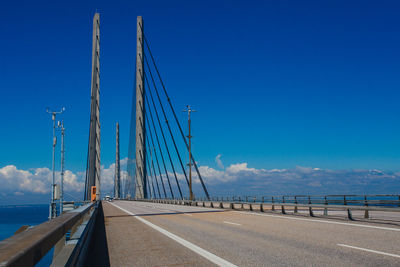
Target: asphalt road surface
x=152, y=234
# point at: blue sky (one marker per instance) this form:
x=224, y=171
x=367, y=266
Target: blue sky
x=277, y=84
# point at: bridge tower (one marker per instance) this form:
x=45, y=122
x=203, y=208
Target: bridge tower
x=117, y=178
x=93, y=160
x=140, y=155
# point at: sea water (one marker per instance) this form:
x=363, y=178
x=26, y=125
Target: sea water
x=12, y=217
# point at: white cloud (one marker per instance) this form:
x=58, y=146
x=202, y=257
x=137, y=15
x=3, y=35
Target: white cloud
x=38, y=180
x=237, y=178
x=219, y=161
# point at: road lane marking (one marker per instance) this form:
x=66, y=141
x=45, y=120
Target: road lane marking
x=370, y=250
x=188, y=214
x=320, y=221
x=202, y=252
x=231, y=223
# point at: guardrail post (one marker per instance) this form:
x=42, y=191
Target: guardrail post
x=273, y=206
x=326, y=204
x=251, y=207
x=283, y=206
x=349, y=214
x=262, y=205
x=212, y=204
x=309, y=207
x=366, y=213
x=240, y=200
x=295, y=202
x=204, y=203
x=232, y=206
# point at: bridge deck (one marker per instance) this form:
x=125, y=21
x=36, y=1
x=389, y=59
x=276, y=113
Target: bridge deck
x=132, y=243
x=241, y=238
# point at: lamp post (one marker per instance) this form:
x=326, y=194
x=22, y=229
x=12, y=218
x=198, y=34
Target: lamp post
x=52, y=211
x=189, y=110
x=62, y=166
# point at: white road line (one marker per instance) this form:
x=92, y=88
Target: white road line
x=188, y=214
x=320, y=221
x=370, y=250
x=202, y=252
x=231, y=223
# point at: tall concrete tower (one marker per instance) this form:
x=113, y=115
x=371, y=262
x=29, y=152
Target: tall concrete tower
x=93, y=164
x=140, y=175
x=117, y=178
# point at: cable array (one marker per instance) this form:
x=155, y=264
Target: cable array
x=159, y=144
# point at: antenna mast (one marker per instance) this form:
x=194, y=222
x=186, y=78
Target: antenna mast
x=53, y=208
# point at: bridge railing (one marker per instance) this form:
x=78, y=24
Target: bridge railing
x=308, y=203
x=28, y=247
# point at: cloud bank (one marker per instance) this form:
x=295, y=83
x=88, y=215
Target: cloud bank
x=235, y=179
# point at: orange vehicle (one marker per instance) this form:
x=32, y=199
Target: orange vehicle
x=93, y=195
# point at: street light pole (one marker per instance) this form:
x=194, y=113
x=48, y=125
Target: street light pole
x=189, y=111
x=52, y=211
x=62, y=167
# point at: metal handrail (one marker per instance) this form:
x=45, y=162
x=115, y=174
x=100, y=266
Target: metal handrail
x=27, y=248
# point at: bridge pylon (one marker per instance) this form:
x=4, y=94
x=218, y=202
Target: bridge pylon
x=140, y=155
x=117, y=178
x=93, y=160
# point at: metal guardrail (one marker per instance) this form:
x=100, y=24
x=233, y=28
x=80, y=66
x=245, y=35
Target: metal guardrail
x=28, y=247
x=347, y=203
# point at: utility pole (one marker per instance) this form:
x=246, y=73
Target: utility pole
x=62, y=167
x=53, y=210
x=117, y=178
x=189, y=111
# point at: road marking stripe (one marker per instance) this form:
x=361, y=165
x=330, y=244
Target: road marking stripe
x=231, y=223
x=319, y=221
x=202, y=252
x=188, y=214
x=370, y=250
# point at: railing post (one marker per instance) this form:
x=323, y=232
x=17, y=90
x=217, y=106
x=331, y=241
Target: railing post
x=273, y=206
x=326, y=204
x=349, y=214
x=283, y=205
x=240, y=200
x=262, y=205
x=366, y=213
x=295, y=202
x=310, y=208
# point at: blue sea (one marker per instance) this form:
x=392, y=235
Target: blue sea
x=12, y=217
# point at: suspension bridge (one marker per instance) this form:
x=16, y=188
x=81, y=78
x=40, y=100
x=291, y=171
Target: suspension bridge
x=162, y=216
